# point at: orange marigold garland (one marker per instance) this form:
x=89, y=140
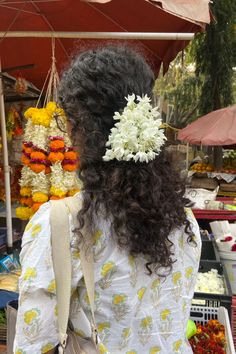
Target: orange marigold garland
x=50, y=163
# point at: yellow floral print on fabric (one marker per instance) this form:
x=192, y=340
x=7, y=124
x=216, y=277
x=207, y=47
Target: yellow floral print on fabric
x=30, y=273
x=133, y=270
x=46, y=348
x=104, y=331
x=177, y=346
x=76, y=254
x=107, y=272
x=155, y=292
x=79, y=332
x=52, y=287
x=177, y=281
x=145, y=329
x=31, y=315
x=20, y=351
x=166, y=322
x=28, y=226
x=155, y=350
x=102, y=349
x=131, y=352
x=97, y=235
x=119, y=306
x=140, y=294
x=125, y=337
x=36, y=230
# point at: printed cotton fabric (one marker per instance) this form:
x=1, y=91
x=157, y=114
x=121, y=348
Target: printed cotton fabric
x=135, y=313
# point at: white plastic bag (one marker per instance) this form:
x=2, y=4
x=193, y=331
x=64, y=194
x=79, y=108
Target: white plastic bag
x=200, y=196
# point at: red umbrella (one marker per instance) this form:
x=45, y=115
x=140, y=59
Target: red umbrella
x=185, y=16
x=215, y=128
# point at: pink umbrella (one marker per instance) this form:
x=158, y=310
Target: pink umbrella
x=215, y=128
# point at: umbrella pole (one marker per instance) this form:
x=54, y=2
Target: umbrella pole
x=187, y=157
x=99, y=35
x=6, y=168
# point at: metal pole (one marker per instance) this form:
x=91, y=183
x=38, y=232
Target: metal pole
x=99, y=35
x=6, y=168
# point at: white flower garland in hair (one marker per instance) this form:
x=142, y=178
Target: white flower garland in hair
x=137, y=135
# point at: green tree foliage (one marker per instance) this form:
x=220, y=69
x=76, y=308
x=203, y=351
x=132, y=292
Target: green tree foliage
x=214, y=54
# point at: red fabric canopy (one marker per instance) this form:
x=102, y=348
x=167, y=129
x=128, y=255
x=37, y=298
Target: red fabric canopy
x=215, y=128
x=101, y=16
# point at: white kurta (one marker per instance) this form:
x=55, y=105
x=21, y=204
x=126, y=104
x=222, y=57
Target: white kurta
x=135, y=313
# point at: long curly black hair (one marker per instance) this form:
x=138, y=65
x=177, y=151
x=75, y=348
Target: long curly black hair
x=145, y=201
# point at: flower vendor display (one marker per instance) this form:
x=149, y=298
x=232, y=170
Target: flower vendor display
x=210, y=282
x=49, y=161
x=209, y=338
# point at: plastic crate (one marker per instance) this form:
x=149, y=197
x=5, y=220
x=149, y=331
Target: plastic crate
x=209, y=251
x=214, y=300
x=202, y=315
x=233, y=319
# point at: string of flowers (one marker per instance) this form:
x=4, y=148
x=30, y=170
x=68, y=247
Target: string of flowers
x=44, y=175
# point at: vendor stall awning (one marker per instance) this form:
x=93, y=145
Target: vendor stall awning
x=215, y=128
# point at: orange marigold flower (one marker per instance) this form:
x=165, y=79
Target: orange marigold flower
x=55, y=157
x=57, y=144
x=25, y=160
x=27, y=150
x=47, y=170
x=36, y=206
x=71, y=155
x=37, y=167
x=38, y=155
x=54, y=197
x=26, y=201
x=70, y=167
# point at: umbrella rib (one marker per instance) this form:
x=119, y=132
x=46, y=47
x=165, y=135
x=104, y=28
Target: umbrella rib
x=13, y=21
x=44, y=17
x=121, y=27
x=16, y=9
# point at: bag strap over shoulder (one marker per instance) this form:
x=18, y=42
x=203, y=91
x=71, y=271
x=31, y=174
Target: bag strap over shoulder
x=61, y=255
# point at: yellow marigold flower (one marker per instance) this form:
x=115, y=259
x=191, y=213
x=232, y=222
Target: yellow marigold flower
x=177, y=345
x=30, y=111
x=46, y=348
x=126, y=332
x=103, y=325
x=97, y=236
x=117, y=299
x=30, y=273
x=52, y=287
x=155, y=350
x=107, y=267
x=164, y=314
x=176, y=277
x=29, y=316
x=141, y=292
x=57, y=192
x=41, y=117
x=51, y=107
x=146, y=322
x=73, y=192
x=40, y=197
x=25, y=191
x=24, y=213
x=102, y=349
x=188, y=272
x=36, y=230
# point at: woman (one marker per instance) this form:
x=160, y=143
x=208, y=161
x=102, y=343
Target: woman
x=146, y=244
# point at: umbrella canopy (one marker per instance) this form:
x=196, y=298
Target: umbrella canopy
x=215, y=128
x=185, y=16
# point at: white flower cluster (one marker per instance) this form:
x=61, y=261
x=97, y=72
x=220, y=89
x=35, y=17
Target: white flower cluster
x=57, y=177
x=210, y=282
x=136, y=135
x=26, y=177
x=40, y=183
x=37, y=134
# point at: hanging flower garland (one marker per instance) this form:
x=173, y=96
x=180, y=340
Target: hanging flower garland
x=45, y=158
